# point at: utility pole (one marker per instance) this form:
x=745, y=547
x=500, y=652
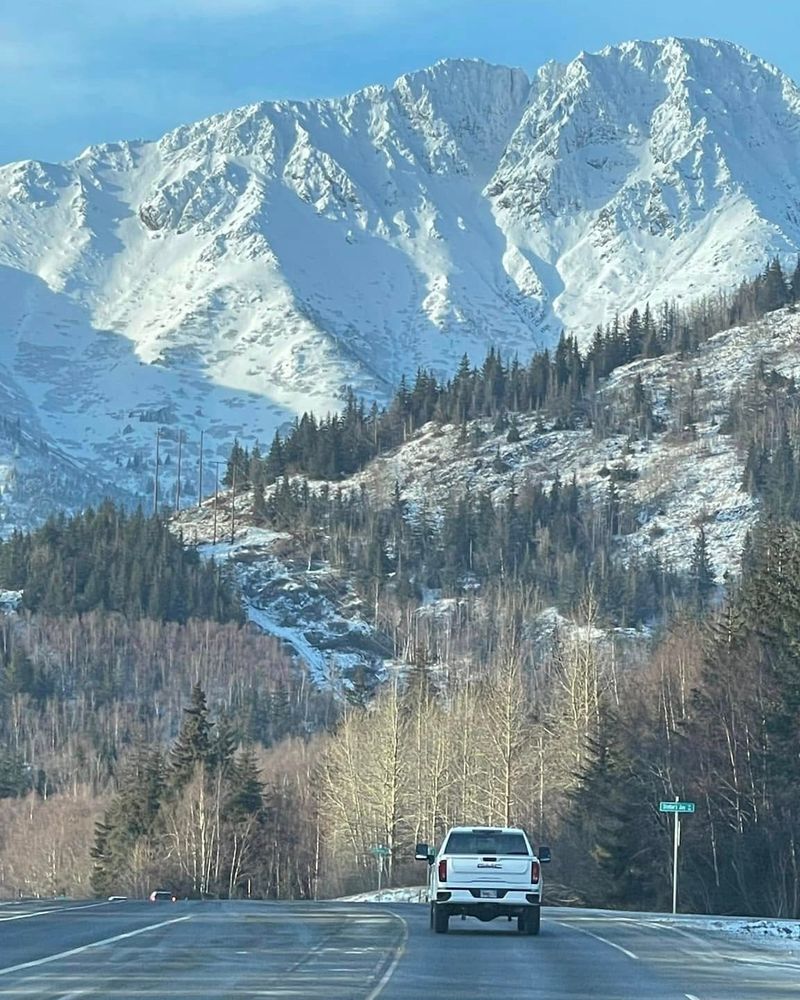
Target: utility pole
x=155, y=488
x=233, y=502
x=200, y=477
x=216, y=498
x=178, y=481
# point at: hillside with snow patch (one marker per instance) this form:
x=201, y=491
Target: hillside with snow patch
x=676, y=481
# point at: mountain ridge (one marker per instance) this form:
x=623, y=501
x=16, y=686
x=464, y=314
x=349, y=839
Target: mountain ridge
x=242, y=269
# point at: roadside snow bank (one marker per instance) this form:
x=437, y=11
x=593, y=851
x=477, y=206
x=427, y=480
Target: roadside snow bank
x=409, y=894
x=784, y=934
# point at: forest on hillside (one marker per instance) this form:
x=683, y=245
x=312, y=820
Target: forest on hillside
x=148, y=735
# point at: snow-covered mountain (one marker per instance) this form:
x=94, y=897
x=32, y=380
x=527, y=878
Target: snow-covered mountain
x=243, y=269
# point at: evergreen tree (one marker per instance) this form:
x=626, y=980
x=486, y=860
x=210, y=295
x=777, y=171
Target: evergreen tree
x=701, y=573
x=245, y=793
x=773, y=292
x=193, y=745
x=259, y=505
x=794, y=288
x=610, y=807
x=513, y=431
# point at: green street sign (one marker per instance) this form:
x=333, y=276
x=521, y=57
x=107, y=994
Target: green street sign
x=380, y=851
x=676, y=807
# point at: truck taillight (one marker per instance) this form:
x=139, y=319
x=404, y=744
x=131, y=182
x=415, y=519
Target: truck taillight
x=443, y=870
x=535, y=872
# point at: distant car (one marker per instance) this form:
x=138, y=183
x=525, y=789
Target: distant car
x=163, y=896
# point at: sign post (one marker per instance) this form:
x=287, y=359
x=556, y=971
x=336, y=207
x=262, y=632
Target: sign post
x=677, y=807
x=380, y=852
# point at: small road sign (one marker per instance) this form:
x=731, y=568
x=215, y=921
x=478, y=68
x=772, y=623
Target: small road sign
x=380, y=851
x=676, y=808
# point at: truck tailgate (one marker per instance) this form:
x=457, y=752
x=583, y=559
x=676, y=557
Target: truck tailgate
x=500, y=871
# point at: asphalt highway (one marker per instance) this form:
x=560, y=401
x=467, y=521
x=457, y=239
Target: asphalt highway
x=336, y=951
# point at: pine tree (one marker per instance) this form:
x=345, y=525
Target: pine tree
x=609, y=807
x=193, y=745
x=500, y=422
x=245, y=793
x=773, y=293
x=513, y=435
x=259, y=505
x=794, y=288
x=701, y=573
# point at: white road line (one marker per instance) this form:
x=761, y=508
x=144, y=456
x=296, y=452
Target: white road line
x=611, y=944
x=86, y=947
x=381, y=984
x=690, y=996
x=54, y=909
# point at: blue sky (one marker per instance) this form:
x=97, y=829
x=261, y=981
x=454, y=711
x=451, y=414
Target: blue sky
x=75, y=72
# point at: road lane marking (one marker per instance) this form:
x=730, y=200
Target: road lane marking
x=691, y=996
x=54, y=909
x=611, y=944
x=381, y=984
x=85, y=947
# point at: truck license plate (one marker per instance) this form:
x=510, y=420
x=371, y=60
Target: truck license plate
x=488, y=893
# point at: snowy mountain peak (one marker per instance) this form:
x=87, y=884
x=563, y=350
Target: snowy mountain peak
x=641, y=165
x=242, y=269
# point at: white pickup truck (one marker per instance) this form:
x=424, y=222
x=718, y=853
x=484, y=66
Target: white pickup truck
x=485, y=872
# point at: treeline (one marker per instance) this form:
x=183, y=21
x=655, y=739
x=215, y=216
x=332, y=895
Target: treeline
x=111, y=560
x=557, y=540
x=558, y=384
x=764, y=417
x=77, y=693
x=719, y=725
x=577, y=740
x=198, y=820
x=580, y=749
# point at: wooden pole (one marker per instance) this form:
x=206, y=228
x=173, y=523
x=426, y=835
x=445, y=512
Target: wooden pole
x=216, y=498
x=233, y=502
x=178, y=481
x=200, y=477
x=155, y=488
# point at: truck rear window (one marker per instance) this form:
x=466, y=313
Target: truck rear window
x=488, y=842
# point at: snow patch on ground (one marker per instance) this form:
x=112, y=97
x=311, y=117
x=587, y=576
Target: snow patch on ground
x=409, y=894
x=770, y=932
x=10, y=600
x=308, y=606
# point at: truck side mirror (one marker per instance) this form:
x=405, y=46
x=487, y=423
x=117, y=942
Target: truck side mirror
x=544, y=854
x=422, y=853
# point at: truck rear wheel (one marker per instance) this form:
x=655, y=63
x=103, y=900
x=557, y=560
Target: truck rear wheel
x=441, y=919
x=529, y=921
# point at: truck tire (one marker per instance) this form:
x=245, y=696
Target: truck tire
x=441, y=919
x=530, y=921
